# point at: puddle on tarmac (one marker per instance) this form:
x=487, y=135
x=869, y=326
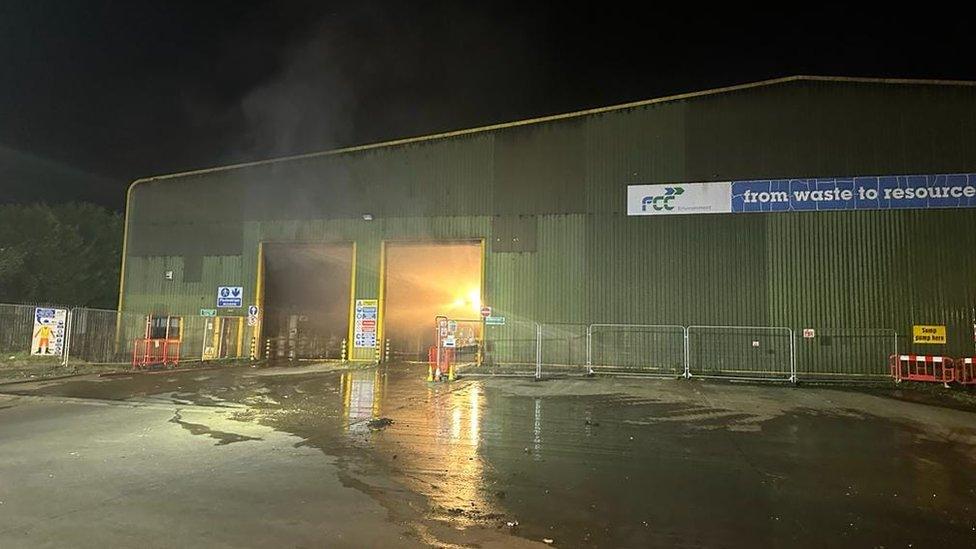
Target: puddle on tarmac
x=610, y=470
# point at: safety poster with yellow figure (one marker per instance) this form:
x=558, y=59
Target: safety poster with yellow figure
x=49, y=329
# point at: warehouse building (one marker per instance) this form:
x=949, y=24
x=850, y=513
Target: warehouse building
x=811, y=203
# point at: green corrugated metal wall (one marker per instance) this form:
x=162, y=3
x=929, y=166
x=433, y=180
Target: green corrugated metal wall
x=592, y=263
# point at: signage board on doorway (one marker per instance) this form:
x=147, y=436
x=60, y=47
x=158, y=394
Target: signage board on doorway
x=364, y=333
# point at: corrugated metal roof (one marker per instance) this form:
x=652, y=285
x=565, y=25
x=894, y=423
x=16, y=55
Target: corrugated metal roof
x=575, y=114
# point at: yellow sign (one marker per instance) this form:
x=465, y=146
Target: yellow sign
x=929, y=334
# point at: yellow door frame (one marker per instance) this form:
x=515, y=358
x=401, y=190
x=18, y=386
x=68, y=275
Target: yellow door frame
x=259, y=302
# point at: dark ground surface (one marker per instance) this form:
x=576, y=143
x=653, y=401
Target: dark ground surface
x=295, y=457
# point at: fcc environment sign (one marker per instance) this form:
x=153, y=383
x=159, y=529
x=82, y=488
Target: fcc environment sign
x=695, y=198
x=230, y=296
x=887, y=192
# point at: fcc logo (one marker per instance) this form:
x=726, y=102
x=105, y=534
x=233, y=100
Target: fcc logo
x=661, y=202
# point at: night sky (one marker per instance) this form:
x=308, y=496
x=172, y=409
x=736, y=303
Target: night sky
x=95, y=94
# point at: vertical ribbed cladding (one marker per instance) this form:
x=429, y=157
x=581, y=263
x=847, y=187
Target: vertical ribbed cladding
x=874, y=269
x=638, y=146
x=436, y=178
x=705, y=269
x=561, y=271
x=149, y=291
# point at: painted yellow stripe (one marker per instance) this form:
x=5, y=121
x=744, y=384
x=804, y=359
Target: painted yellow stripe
x=352, y=305
x=381, y=302
x=240, y=335
x=259, y=300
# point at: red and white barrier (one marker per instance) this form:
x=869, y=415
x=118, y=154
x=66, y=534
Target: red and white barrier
x=966, y=371
x=934, y=369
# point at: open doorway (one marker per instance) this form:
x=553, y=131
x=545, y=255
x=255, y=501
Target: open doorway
x=424, y=280
x=307, y=289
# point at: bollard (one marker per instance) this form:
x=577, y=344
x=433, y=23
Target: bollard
x=342, y=354
x=253, y=349
x=376, y=354
x=267, y=349
x=386, y=357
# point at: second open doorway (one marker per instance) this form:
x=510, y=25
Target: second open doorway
x=424, y=280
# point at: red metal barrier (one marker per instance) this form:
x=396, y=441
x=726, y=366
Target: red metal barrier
x=966, y=371
x=148, y=352
x=439, y=367
x=934, y=369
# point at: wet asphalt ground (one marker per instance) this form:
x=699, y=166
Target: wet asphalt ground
x=308, y=457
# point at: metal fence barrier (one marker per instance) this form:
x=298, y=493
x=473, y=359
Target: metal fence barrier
x=512, y=348
x=101, y=336
x=846, y=353
x=562, y=348
x=517, y=347
x=16, y=329
x=741, y=352
x=636, y=349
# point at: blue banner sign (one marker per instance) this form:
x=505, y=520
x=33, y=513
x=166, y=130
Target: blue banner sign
x=855, y=193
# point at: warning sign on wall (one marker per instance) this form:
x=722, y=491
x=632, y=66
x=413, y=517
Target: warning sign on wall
x=367, y=312
x=929, y=334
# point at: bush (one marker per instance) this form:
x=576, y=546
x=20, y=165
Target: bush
x=67, y=254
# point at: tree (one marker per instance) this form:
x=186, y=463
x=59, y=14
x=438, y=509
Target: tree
x=67, y=254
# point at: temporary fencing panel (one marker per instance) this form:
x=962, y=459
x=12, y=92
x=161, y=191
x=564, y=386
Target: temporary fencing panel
x=741, y=352
x=845, y=353
x=511, y=348
x=16, y=329
x=563, y=349
x=640, y=349
x=100, y=336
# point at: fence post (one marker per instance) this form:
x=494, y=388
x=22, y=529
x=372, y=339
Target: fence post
x=792, y=356
x=538, y=350
x=67, y=338
x=589, y=349
x=687, y=354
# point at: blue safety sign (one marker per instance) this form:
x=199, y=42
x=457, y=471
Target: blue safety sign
x=230, y=296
